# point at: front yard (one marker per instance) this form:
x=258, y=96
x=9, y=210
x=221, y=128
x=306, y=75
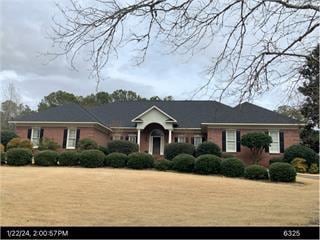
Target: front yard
x=120, y=197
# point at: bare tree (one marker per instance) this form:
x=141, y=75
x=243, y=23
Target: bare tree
x=255, y=44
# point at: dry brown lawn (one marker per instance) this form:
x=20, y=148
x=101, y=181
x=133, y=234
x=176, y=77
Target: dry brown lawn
x=120, y=197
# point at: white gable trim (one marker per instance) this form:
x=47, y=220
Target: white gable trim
x=136, y=119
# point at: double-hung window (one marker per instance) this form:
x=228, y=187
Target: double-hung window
x=197, y=140
x=132, y=138
x=275, y=145
x=35, y=137
x=231, y=141
x=72, y=138
x=181, y=139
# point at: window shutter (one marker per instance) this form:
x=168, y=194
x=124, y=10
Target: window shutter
x=187, y=139
x=77, y=136
x=127, y=138
x=29, y=133
x=175, y=139
x=204, y=139
x=65, y=135
x=192, y=140
x=281, y=141
x=41, y=133
x=238, y=141
x=223, y=141
x=267, y=148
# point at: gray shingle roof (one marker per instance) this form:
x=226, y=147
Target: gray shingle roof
x=189, y=114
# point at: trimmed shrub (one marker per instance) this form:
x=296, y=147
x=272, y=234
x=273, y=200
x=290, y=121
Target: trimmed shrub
x=208, y=148
x=69, y=158
x=183, y=163
x=282, y=172
x=207, y=164
x=256, y=172
x=174, y=149
x=232, y=167
x=48, y=144
x=300, y=151
x=300, y=165
x=91, y=158
x=6, y=136
x=105, y=150
x=275, y=159
x=116, y=160
x=19, y=143
x=163, y=165
x=87, y=144
x=19, y=156
x=125, y=147
x=313, y=169
x=46, y=158
x=140, y=161
x=3, y=157
x=1, y=148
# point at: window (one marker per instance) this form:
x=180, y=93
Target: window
x=116, y=137
x=275, y=145
x=132, y=138
x=181, y=139
x=72, y=138
x=231, y=145
x=197, y=140
x=35, y=137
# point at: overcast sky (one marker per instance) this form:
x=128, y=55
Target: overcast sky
x=24, y=41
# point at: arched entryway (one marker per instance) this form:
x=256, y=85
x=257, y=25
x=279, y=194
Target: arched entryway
x=156, y=142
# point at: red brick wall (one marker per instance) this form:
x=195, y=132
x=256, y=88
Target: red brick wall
x=56, y=134
x=291, y=136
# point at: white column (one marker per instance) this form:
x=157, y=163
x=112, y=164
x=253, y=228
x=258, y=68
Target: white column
x=170, y=137
x=138, y=140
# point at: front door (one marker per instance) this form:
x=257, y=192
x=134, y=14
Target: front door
x=156, y=145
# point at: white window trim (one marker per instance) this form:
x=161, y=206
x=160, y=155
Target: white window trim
x=197, y=136
x=132, y=135
x=235, y=141
x=270, y=148
x=181, y=136
x=32, y=133
x=67, y=146
x=116, y=137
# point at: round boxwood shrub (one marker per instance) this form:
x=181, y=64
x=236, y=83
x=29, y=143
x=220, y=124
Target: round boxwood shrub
x=69, y=158
x=207, y=164
x=46, y=158
x=163, y=165
x=314, y=168
x=183, y=163
x=105, y=150
x=275, y=159
x=116, y=160
x=232, y=167
x=121, y=146
x=19, y=143
x=256, y=172
x=208, y=148
x=140, y=161
x=174, y=149
x=300, y=151
x=282, y=172
x=87, y=144
x=91, y=158
x=3, y=157
x=19, y=156
x=48, y=144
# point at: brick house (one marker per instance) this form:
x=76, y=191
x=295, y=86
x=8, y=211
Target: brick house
x=153, y=124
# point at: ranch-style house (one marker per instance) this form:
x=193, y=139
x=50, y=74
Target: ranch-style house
x=153, y=124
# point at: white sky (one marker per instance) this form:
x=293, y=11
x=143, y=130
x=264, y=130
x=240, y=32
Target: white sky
x=23, y=38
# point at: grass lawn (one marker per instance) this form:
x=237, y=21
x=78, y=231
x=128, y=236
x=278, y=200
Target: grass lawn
x=112, y=197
